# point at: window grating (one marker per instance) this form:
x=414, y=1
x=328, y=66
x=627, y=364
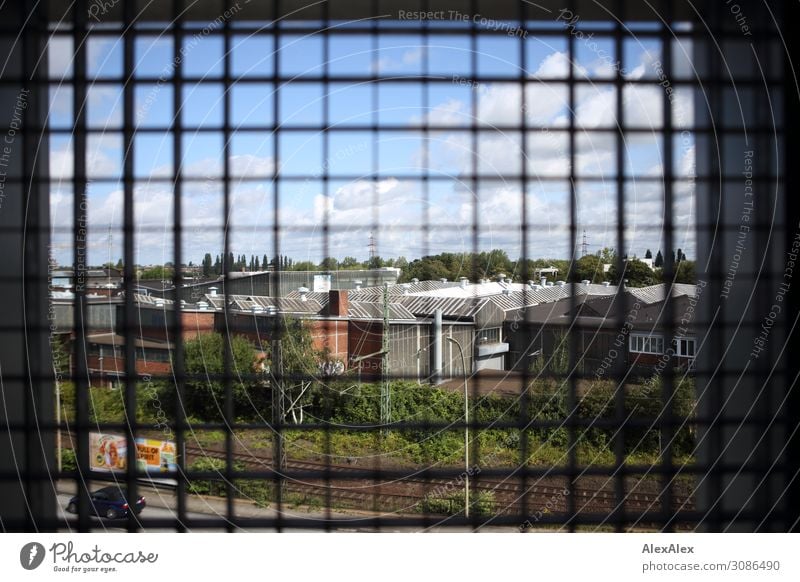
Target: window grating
x=271, y=133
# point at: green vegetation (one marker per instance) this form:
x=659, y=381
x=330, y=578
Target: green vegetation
x=68, y=460
x=481, y=503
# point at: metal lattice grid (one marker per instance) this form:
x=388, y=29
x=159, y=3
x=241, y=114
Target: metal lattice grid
x=741, y=474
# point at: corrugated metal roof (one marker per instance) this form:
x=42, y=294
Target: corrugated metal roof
x=370, y=293
x=656, y=293
x=142, y=299
x=452, y=307
x=321, y=298
x=374, y=310
x=248, y=302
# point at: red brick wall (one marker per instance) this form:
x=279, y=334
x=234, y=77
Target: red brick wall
x=194, y=323
x=331, y=335
x=118, y=365
x=366, y=338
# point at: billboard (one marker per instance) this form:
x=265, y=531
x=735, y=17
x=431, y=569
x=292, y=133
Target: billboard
x=322, y=283
x=109, y=452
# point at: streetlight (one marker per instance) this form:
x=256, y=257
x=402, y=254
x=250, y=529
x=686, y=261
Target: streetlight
x=466, y=426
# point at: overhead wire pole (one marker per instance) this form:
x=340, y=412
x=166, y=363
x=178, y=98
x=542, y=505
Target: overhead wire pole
x=386, y=395
x=278, y=410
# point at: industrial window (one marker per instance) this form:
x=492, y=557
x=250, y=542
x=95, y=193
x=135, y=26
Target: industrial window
x=490, y=335
x=684, y=347
x=322, y=212
x=647, y=344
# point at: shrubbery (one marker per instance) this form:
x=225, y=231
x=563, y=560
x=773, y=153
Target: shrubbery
x=481, y=503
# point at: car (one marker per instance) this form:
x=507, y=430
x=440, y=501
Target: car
x=111, y=502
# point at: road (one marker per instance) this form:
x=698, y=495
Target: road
x=162, y=504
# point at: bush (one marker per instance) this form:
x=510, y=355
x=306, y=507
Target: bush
x=452, y=503
x=68, y=460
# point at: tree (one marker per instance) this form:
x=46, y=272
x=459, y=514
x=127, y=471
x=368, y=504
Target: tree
x=589, y=267
x=375, y=262
x=684, y=272
x=304, y=266
x=648, y=254
x=635, y=272
x=329, y=264
x=659, y=262
x=258, y=265
x=608, y=255
x=264, y=262
x=218, y=266
x=350, y=263
x=680, y=256
x=205, y=391
x=207, y=266
x=120, y=266
x=157, y=272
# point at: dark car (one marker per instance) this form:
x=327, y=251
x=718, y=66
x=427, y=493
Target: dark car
x=110, y=502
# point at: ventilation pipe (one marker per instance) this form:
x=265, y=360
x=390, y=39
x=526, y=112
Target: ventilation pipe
x=464, y=282
x=303, y=293
x=437, y=346
x=543, y=281
x=212, y=291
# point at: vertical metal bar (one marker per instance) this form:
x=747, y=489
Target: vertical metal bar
x=79, y=185
x=476, y=200
x=569, y=421
x=667, y=421
x=618, y=515
x=714, y=185
x=228, y=364
x=278, y=449
x=178, y=364
x=330, y=325
x=791, y=108
x=524, y=400
x=129, y=229
x=375, y=74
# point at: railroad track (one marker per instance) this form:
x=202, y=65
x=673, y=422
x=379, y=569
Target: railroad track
x=336, y=484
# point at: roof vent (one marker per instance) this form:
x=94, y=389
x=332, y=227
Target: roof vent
x=550, y=284
x=415, y=280
x=543, y=281
x=202, y=306
x=501, y=277
x=303, y=293
x=606, y=284
x=443, y=280
x=357, y=283
x=212, y=291
x=464, y=282
x=506, y=291
x=561, y=283
x=585, y=282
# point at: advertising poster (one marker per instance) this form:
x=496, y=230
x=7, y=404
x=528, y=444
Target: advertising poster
x=109, y=452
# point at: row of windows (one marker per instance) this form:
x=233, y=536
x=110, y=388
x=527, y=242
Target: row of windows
x=646, y=344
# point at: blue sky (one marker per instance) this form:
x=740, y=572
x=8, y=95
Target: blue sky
x=395, y=206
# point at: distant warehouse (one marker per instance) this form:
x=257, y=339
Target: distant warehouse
x=279, y=284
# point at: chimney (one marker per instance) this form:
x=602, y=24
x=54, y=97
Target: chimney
x=212, y=291
x=464, y=282
x=303, y=293
x=337, y=303
x=543, y=281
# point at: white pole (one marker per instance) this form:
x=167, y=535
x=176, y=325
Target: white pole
x=466, y=426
